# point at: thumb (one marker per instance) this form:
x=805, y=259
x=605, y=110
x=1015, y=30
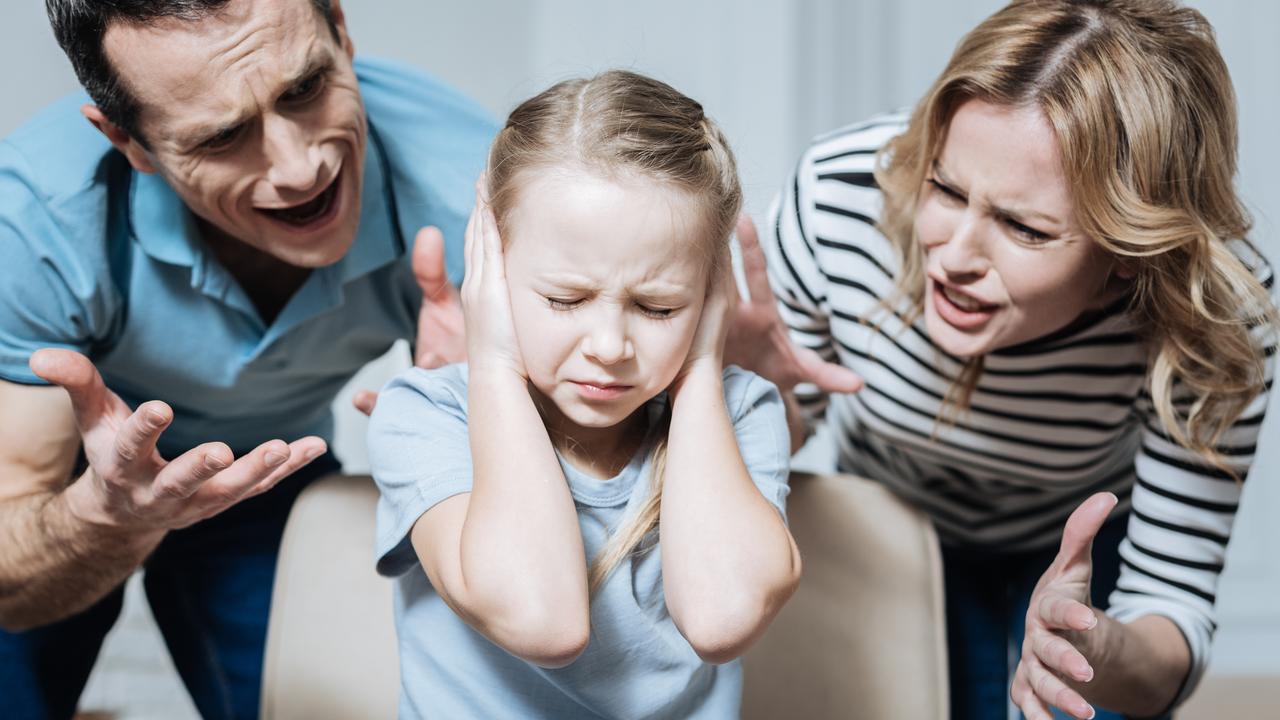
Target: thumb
x=428, y=262
x=829, y=377
x=365, y=401
x=1082, y=527
x=76, y=374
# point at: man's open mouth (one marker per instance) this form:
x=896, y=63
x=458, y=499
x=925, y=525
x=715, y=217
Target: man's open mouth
x=309, y=212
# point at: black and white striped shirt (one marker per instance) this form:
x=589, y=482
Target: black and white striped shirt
x=1050, y=423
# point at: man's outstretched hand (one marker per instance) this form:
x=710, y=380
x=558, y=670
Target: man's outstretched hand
x=129, y=486
x=441, y=337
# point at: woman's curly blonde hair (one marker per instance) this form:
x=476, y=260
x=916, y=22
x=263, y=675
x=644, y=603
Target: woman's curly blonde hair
x=1140, y=100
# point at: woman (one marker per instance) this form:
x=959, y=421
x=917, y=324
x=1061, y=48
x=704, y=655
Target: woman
x=1042, y=279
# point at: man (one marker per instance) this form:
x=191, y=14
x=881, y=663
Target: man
x=188, y=279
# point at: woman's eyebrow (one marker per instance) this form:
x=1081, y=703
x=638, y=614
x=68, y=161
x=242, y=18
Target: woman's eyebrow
x=1018, y=215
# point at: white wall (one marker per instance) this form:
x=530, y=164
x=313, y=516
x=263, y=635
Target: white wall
x=773, y=73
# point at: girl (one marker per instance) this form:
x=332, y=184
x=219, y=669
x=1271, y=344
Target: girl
x=1042, y=278
x=586, y=520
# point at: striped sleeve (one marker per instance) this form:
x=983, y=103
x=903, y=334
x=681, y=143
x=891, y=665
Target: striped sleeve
x=1183, y=511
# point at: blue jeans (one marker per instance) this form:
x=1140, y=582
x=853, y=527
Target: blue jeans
x=209, y=587
x=987, y=595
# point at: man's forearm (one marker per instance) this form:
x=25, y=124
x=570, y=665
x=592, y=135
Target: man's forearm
x=53, y=564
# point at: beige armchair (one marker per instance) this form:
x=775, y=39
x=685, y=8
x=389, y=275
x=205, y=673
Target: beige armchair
x=862, y=638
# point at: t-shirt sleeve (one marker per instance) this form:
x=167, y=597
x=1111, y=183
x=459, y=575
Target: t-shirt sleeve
x=760, y=425
x=1183, y=510
x=54, y=292
x=420, y=455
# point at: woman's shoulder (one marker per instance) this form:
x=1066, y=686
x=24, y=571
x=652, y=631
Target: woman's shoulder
x=864, y=139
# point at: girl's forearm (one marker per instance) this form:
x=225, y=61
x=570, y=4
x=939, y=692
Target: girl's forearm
x=1138, y=667
x=728, y=560
x=520, y=553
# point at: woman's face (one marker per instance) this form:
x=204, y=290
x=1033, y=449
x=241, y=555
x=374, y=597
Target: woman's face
x=1006, y=261
x=607, y=281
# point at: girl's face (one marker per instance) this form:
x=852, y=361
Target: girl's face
x=1006, y=260
x=607, y=280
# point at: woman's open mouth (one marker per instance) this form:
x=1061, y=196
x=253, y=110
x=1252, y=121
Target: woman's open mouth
x=960, y=310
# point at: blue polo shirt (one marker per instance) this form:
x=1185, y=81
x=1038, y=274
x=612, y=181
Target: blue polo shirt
x=104, y=260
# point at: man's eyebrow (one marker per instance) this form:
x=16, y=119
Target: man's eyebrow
x=199, y=134
x=317, y=63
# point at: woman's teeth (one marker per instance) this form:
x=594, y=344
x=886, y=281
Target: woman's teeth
x=964, y=302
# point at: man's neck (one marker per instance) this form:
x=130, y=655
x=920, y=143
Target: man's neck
x=268, y=281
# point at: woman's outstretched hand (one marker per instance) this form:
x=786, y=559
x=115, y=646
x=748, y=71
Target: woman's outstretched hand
x=1059, y=620
x=758, y=339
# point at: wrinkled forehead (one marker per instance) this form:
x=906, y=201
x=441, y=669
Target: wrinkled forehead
x=188, y=72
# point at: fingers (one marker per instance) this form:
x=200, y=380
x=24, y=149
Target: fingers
x=136, y=439
x=1059, y=655
x=754, y=268
x=301, y=453
x=1082, y=527
x=182, y=477
x=235, y=482
x=428, y=263
x=1063, y=613
x=829, y=377
x=1025, y=698
x=76, y=374
x=472, y=273
x=364, y=401
x=1050, y=689
x=491, y=242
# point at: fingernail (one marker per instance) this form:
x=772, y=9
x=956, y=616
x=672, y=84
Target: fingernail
x=1092, y=623
x=312, y=454
x=1088, y=713
x=154, y=418
x=214, y=463
x=275, y=458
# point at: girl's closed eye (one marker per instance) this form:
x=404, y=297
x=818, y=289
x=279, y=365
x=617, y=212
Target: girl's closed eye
x=564, y=303
x=658, y=313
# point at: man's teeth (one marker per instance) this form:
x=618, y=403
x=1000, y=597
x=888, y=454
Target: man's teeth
x=964, y=302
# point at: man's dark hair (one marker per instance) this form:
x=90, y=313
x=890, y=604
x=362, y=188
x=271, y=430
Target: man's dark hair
x=79, y=26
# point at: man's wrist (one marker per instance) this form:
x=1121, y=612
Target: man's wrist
x=86, y=507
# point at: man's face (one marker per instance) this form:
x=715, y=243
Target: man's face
x=253, y=116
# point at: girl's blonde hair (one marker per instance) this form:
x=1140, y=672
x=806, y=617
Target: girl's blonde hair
x=1144, y=113
x=621, y=124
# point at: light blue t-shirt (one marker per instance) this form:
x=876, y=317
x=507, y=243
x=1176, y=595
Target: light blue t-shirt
x=637, y=664
x=98, y=258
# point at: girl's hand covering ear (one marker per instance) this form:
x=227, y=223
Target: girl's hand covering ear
x=486, y=299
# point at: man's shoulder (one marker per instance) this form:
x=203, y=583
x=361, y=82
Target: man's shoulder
x=57, y=153
x=401, y=98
